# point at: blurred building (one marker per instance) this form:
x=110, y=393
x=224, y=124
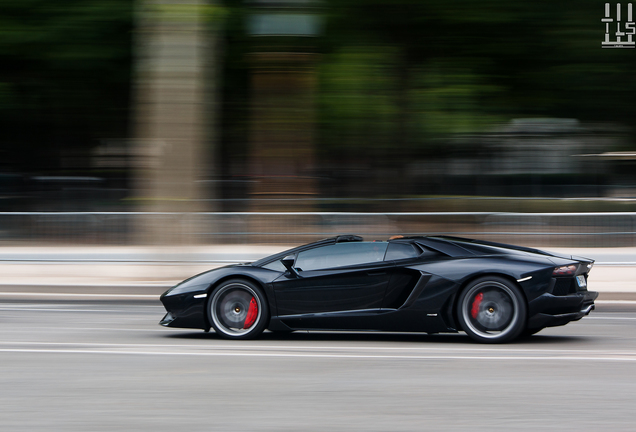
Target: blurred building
x=283, y=87
x=525, y=157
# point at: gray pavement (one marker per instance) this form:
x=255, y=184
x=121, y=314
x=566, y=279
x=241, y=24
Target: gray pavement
x=103, y=366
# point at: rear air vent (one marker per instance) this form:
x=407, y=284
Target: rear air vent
x=564, y=286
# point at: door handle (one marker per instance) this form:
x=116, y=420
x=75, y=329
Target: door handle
x=380, y=273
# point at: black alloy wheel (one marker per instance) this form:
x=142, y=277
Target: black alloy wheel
x=492, y=310
x=238, y=310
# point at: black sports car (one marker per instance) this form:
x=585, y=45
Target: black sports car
x=493, y=292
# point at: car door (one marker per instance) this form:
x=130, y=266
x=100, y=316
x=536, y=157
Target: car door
x=403, y=279
x=334, y=279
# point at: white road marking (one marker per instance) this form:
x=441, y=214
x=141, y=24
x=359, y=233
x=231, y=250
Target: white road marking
x=61, y=310
x=30, y=329
x=255, y=348
x=71, y=305
x=47, y=294
x=66, y=308
x=325, y=356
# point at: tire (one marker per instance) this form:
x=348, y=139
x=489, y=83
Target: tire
x=492, y=310
x=235, y=303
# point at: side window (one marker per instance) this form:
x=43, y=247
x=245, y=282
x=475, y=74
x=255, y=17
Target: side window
x=398, y=251
x=276, y=266
x=341, y=255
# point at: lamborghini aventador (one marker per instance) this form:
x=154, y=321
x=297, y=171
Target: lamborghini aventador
x=493, y=292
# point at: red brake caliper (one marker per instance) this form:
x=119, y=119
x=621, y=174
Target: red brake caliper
x=475, y=310
x=252, y=312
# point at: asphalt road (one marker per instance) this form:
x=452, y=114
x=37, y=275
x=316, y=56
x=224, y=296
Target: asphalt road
x=108, y=366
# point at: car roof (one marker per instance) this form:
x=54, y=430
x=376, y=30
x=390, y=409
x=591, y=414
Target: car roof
x=446, y=245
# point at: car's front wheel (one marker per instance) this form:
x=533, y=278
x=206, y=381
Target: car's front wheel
x=238, y=310
x=492, y=310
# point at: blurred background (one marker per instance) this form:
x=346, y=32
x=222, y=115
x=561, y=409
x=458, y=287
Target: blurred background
x=279, y=122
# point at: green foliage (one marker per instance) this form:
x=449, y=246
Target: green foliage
x=405, y=74
x=64, y=77
x=394, y=77
x=358, y=112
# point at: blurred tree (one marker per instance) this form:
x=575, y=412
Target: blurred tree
x=396, y=78
x=64, y=78
x=435, y=68
x=175, y=112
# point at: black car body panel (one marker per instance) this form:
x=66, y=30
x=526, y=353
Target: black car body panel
x=406, y=284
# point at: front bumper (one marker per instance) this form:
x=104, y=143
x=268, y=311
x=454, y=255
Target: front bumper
x=549, y=310
x=185, y=310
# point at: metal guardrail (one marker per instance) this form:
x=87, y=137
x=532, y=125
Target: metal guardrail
x=537, y=229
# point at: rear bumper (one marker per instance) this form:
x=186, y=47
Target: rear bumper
x=549, y=310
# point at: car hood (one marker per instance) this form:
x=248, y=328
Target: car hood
x=201, y=281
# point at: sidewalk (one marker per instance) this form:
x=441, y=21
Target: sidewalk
x=111, y=271
x=136, y=271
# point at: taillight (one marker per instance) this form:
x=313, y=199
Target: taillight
x=567, y=270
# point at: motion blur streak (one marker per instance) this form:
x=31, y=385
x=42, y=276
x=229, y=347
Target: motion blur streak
x=311, y=105
x=143, y=139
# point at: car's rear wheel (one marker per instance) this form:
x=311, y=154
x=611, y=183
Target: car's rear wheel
x=238, y=310
x=492, y=310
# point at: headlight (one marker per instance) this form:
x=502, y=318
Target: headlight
x=567, y=270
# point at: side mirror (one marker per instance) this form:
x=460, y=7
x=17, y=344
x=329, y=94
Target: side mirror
x=288, y=262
